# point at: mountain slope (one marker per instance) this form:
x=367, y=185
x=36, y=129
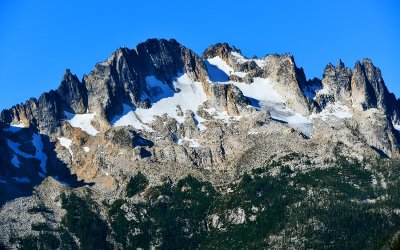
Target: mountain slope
x=164, y=111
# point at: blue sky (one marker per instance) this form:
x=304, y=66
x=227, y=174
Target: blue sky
x=40, y=39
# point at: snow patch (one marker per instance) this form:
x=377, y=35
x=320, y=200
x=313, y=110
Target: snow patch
x=260, y=62
x=15, y=127
x=221, y=64
x=218, y=76
x=239, y=74
x=333, y=109
x=66, y=143
x=311, y=91
x=39, y=154
x=323, y=91
x=190, y=96
x=215, y=74
x=396, y=126
x=222, y=115
x=260, y=89
x=86, y=149
x=192, y=142
x=82, y=121
x=270, y=100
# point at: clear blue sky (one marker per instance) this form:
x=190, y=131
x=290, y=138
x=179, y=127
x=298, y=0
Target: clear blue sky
x=40, y=39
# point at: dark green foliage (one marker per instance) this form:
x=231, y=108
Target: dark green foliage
x=84, y=223
x=39, y=209
x=41, y=227
x=177, y=214
x=122, y=229
x=42, y=241
x=181, y=218
x=119, y=224
x=67, y=242
x=136, y=184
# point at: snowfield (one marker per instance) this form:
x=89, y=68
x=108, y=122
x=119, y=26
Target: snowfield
x=184, y=94
x=189, y=96
x=82, y=121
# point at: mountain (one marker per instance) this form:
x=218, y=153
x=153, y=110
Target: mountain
x=161, y=147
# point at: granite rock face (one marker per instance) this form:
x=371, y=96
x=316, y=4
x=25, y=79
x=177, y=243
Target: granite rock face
x=122, y=78
x=260, y=108
x=227, y=97
x=369, y=90
x=337, y=82
x=73, y=93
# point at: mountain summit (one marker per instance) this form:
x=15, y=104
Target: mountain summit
x=164, y=112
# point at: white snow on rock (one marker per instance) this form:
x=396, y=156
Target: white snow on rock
x=66, y=143
x=222, y=115
x=323, y=91
x=239, y=58
x=215, y=74
x=189, y=96
x=82, y=121
x=22, y=179
x=260, y=62
x=333, y=109
x=15, y=161
x=39, y=154
x=192, y=142
x=239, y=74
x=15, y=127
x=221, y=64
x=260, y=89
x=86, y=149
x=270, y=100
x=215, y=63
x=396, y=126
x=312, y=91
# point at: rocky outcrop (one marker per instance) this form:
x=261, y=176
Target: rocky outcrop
x=121, y=79
x=226, y=97
x=73, y=94
x=21, y=113
x=232, y=56
x=336, y=83
x=289, y=79
x=369, y=90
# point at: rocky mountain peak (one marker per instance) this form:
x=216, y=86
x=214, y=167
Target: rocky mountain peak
x=340, y=65
x=222, y=50
x=368, y=87
x=73, y=93
x=290, y=81
x=161, y=114
x=336, y=84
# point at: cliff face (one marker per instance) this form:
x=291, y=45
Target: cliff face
x=161, y=104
